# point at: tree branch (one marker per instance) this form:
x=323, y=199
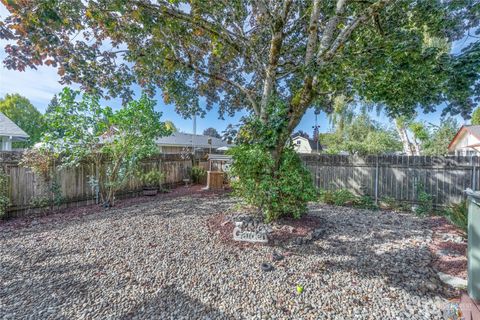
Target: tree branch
x=165, y=9
x=312, y=35
x=330, y=28
x=189, y=64
x=344, y=35
x=273, y=56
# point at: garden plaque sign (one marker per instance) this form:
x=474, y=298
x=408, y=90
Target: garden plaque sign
x=259, y=235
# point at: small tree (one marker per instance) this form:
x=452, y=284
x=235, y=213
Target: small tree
x=25, y=115
x=362, y=136
x=80, y=130
x=476, y=117
x=171, y=126
x=211, y=132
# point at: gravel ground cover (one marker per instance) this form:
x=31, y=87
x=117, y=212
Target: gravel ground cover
x=162, y=260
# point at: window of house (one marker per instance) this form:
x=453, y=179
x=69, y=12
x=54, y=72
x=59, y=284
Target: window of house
x=299, y=142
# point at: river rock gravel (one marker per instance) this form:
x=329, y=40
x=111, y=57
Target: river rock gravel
x=160, y=260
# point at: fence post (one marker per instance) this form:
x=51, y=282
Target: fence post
x=474, y=173
x=376, y=181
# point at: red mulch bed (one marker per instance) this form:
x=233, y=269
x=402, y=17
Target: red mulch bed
x=218, y=224
x=449, y=264
x=73, y=213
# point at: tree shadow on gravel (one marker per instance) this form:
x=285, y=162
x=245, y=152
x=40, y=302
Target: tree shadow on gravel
x=57, y=282
x=383, y=245
x=167, y=208
x=173, y=304
x=407, y=267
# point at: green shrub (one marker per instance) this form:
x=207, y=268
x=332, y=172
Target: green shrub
x=391, y=203
x=342, y=197
x=152, y=178
x=366, y=202
x=425, y=202
x=339, y=197
x=56, y=194
x=278, y=193
x=4, y=199
x=457, y=213
x=326, y=196
x=198, y=173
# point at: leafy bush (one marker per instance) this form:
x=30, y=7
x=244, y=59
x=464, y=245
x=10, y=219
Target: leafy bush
x=366, y=202
x=152, y=178
x=342, y=197
x=425, y=202
x=457, y=213
x=278, y=193
x=56, y=195
x=325, y=196
x=81, y=130
x=391, y=203
x=198, y=173
x=4, y=200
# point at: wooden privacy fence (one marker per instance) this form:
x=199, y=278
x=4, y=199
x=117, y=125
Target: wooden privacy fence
x=397, y=177
x=24, y=185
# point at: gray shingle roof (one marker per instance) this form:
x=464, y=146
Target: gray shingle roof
x=9, y=128
x=185, y=140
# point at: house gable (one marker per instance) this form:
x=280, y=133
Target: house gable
x=301, y=144
x=9, y=129
x=467, y=138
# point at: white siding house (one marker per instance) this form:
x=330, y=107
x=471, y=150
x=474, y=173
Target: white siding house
x=466, y=142
x=179, y=141
x=9, y=132
x=304, y=145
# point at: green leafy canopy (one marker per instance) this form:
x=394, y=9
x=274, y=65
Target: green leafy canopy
x=79, y=129
x=238, y=54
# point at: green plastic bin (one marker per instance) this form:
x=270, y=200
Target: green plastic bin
x=473, y=254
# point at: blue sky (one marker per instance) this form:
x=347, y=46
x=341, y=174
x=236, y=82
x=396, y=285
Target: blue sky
x=40, y=85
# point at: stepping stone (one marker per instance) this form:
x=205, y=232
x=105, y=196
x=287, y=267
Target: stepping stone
x=455, y=282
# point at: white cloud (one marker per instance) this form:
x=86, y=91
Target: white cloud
x=38, y=86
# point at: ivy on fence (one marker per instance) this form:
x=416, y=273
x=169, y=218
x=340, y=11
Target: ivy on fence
x=4, y=199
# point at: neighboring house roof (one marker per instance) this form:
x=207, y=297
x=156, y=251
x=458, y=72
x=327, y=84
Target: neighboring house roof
x=311, y=142
x=181, y=139
x=10, y=129
x=474, y=130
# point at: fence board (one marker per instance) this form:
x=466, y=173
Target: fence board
x=445, y=178
x=24, y=186
x=399, y=177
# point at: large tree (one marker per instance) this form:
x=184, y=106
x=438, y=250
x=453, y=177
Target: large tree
x=25, y=115
x=249, y=54
x=274, y=58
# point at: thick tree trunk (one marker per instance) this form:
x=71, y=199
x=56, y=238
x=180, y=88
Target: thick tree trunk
x=402, y=132
x=416, y=147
